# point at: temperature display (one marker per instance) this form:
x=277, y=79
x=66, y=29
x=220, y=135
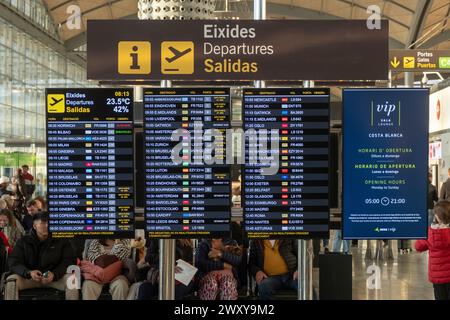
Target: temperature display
x=90, y=163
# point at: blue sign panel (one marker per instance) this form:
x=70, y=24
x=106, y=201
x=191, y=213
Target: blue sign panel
x=385, y=163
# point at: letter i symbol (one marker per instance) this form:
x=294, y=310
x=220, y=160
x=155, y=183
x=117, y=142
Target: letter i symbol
x=134, y=58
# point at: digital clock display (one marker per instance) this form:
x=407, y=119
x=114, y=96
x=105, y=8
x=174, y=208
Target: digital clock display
x=90, y=166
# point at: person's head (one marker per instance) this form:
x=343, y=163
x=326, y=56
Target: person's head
x=40, y=203
x=18, y=172
x=3, y=204
x=184, y=242
x=430, y=177
x=25, y=168
x=217, y=244
x=4, y=181
x=442, y=212
x=40, y=225
x=5, y=218
x=9, y=201
x=32, y=207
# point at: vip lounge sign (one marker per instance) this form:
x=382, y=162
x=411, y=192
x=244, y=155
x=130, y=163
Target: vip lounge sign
x=236, y=50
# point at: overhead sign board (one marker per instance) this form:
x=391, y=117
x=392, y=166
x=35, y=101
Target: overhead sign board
x=419, y=60
x=236, y=50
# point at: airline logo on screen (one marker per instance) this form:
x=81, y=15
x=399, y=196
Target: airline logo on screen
x=385, y=114
x=56, y=103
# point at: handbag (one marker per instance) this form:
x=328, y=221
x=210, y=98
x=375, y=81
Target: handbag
x=98, y=274
x=105, y=260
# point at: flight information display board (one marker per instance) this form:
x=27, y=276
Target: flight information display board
x=385, y=156
x=292, y=201
x=90, y=164
x=187, y=197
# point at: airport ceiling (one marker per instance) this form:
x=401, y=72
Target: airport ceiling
x=412, y=23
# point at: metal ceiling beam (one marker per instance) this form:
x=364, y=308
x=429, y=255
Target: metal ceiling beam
x=441, y=37
x=27, y=26
x=303, y=13
x=383, y=16
x=401, y=5
x=109, y=3
x=60, y=5
x=277, y=9
x=80, y=39
x=418, y=22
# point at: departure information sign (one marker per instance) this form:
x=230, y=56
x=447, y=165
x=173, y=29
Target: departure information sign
x=291, y=201
x=90, y=166
x=385, y=163
x=187, y=182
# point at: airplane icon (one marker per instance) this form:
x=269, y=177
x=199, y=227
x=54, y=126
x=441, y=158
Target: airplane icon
x=177, y=57
x=177, y=54
x=55, y=101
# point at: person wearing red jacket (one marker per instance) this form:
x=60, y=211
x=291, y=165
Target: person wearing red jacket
x=5, y=242
x=438, y=244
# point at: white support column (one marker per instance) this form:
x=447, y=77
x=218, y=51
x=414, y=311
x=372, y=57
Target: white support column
x=166, y=255
x=259, y=13
x=305, y=255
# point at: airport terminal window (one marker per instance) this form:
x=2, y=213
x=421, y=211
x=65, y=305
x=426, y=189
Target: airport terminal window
x=27, y=67
x=35, y=11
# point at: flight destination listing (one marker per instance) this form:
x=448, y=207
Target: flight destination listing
x=90, y=165
x=293, y=202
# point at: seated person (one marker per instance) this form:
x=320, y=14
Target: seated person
x=273, y=263
x=41, y=204
x=4, y=242
x=32, y=209
x=10, y=227
x=217, y=261
x=39, y=261
x=149, y=289
x=104, y=252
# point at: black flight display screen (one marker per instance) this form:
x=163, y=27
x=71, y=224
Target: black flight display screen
x=187, y=179
x=90, y=165
x=291, y=199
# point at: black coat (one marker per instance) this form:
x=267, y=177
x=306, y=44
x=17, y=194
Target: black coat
x=287, y=248
x=432, y=196
x=30, y=254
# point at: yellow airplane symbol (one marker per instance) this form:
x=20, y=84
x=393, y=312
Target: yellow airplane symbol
x=177, y=54
x=55, y=101
x=395, y=63
x=408, y=62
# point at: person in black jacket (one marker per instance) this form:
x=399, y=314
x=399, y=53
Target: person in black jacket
x=39, y=261
x=431, y=199
x=149, y=288
x=217, y=261
x=273, y=263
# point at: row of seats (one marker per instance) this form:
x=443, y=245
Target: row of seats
x=247, y=291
